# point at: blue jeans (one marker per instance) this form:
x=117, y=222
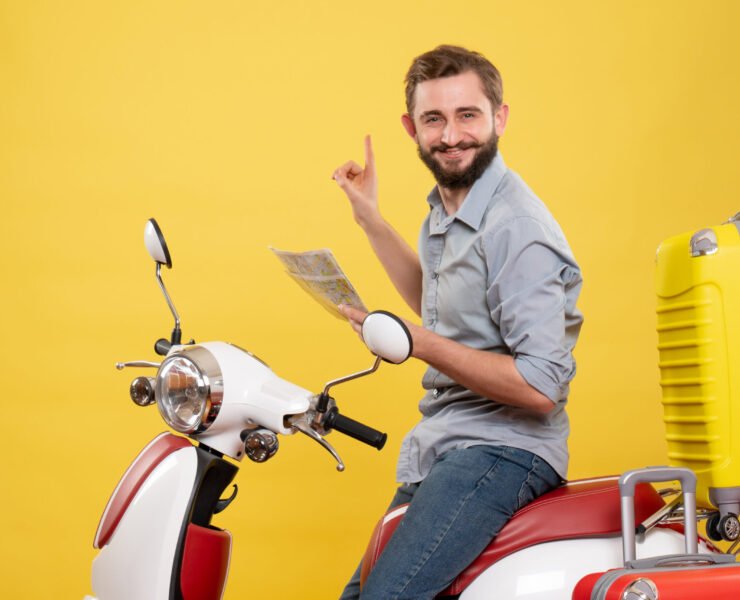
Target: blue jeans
x=453, y=514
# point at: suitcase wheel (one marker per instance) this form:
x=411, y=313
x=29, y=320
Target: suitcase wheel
x=726, y=527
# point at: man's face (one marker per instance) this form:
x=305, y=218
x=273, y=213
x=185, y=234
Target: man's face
x=455, y=128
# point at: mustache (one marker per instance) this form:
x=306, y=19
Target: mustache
x=460, y=146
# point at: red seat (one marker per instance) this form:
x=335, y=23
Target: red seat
x=577, y=509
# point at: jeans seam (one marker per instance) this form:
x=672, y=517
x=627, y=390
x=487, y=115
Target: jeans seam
x=438, y=539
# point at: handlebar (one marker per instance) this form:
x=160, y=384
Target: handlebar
x=354, y=429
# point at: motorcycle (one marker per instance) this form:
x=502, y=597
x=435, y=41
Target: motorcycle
x=155, y=539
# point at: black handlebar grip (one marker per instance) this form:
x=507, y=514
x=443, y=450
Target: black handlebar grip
x=355, y=429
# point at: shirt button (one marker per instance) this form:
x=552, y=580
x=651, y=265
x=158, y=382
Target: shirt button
x=435, y=274
x=435, y=393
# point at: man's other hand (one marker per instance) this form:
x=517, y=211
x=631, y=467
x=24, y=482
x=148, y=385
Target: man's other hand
x=355, y=317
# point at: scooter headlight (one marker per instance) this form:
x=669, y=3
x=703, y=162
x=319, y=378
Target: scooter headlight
x=189, y=390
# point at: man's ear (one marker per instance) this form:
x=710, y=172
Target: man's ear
x=408, y=125
x=500, y=119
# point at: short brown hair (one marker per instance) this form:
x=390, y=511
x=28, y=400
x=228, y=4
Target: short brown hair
x=447, y=61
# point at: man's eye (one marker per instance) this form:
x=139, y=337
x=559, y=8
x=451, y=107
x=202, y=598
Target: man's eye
x=468, y=115
x=433, y=120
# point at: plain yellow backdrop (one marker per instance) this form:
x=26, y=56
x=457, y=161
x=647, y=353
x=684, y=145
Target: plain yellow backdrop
x=224, y=120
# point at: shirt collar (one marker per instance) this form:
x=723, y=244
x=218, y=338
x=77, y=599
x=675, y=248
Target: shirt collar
x=474, y=206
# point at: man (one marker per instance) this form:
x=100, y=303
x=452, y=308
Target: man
x=496, y=285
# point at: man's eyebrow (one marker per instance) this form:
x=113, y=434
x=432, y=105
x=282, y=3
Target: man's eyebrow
x=428, y=113
x=468, y=109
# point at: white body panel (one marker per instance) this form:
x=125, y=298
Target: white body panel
x=138, y=560
x=253, y=394
x=131, y=467
x=550, y=571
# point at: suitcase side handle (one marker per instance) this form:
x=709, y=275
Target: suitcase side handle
x=682, y=560
x=627, y=483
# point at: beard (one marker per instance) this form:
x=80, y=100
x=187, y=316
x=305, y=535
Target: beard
x=457, y=179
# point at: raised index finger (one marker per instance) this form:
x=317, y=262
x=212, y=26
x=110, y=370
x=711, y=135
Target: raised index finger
x=369, y=156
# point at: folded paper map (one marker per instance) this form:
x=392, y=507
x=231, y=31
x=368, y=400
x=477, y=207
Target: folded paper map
x=318, y=272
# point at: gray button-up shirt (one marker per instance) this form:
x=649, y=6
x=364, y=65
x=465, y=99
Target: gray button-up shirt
x=498, y=276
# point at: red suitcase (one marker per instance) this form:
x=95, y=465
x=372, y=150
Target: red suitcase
x=689, y=576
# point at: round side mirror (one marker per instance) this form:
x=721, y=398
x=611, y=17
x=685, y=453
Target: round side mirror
x=155, y=244
x=387, y=336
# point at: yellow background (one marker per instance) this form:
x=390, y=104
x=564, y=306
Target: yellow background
x=224, y=120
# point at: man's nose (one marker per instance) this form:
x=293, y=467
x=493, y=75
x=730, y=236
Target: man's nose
x=451, y=134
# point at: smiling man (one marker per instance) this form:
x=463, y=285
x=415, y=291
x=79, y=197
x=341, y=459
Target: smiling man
x=495, y=284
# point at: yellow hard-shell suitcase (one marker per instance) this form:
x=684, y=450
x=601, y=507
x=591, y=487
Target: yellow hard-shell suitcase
x=698, y=288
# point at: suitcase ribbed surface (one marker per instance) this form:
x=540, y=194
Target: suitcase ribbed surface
x=699, y=346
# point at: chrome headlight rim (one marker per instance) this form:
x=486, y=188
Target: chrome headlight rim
x=210, y=378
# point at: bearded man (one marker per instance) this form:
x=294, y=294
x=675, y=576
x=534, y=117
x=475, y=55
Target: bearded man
x=495, y=284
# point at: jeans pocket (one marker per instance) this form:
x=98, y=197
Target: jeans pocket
x=540, y=479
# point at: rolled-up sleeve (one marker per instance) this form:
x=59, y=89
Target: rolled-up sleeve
x=533, y=282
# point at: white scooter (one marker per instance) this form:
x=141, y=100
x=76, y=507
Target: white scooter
x=155, y=537
x=156, y=541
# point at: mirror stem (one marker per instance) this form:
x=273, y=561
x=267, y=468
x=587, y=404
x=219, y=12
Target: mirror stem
x=176, y=332
x=324, y=396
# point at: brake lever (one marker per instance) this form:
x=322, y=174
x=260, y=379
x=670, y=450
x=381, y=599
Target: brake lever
x=307, y=430
x=137, y=363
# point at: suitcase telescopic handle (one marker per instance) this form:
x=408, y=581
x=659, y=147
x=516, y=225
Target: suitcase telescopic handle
x=627, y=484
